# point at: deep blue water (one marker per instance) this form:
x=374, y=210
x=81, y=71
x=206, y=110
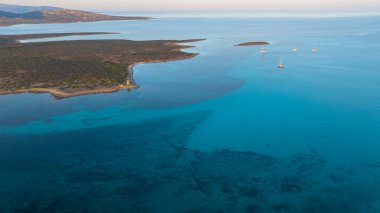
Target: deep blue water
x=225, y=131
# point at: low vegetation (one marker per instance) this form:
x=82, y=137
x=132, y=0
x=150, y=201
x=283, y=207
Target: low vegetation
x=72, y=66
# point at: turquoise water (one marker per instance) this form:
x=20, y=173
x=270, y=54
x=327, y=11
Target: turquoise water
x=225, y=131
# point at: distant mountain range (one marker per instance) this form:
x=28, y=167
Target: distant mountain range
x=44, y=14
x=24, y=9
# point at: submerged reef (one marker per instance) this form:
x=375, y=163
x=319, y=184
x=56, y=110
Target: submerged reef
x=147, y=167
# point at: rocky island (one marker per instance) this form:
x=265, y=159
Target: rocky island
x=73, y=68
x=254, y=43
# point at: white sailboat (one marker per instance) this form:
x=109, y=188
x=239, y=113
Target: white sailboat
x=314, y=50
x=263, y=51
x=281, y=65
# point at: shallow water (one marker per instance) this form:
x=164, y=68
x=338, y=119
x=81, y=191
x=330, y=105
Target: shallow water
x=305, y=139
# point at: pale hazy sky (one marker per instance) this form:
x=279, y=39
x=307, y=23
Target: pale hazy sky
x=199, y=5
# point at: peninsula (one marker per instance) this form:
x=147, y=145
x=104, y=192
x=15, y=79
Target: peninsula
x=73, y=68
x=14, y=14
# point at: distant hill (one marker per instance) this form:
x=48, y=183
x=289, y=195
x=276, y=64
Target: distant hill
x=56, y=16
x=24, y=9
x=29, y=15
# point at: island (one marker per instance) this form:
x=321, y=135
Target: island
x=80, y=67
x=14, y=14
x=254, y=43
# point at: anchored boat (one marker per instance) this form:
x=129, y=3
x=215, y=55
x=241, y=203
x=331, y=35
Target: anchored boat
x=263, y=51
x=281, y=65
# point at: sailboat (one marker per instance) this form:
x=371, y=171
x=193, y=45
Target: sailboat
x=263, y=51
x=281, y=65
x=314, y=50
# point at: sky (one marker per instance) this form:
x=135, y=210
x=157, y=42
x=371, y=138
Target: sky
x=209, y=5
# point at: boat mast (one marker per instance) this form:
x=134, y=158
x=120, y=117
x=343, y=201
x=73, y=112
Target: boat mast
x=281, y=64
x=263, y=50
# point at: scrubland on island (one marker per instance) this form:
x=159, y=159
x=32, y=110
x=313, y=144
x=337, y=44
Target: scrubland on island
x=71, y=68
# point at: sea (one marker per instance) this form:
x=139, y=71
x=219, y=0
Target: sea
x=225, y=131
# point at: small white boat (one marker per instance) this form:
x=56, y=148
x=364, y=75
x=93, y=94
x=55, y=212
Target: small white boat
x=294, y=50
x=281, y=65
x=263, y=51
x=314, y=50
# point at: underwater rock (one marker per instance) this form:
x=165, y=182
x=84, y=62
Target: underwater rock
x=281, y=208
x=147, y=167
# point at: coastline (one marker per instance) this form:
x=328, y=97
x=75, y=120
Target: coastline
x=60, y=94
